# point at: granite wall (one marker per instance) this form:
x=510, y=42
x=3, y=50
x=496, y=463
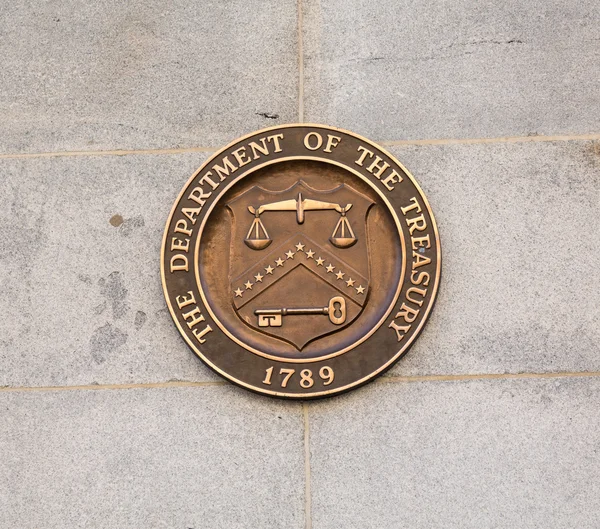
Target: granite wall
x=108, y=420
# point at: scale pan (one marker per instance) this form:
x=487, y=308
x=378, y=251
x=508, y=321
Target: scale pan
x=257, y=244
x=343, y=242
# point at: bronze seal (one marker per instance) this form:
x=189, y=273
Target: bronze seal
x=300, y=261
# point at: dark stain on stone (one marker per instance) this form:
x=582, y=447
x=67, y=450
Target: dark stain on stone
x=113, y=289
x=106, y=340
x=84, y=279
x=140, y=319
x=592, y=154
x=99, y=309
x=484, y=41
x=116, y=220
x=268, y=115
x=367, y=59
x=473, y=45
x=28, y=221
x=130, y=225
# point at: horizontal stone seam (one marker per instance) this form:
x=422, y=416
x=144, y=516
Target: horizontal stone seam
x=504, y=139
x=118, y=152
x=384, y=143
x=383, y=379
x=488, y=376
x=94, y=387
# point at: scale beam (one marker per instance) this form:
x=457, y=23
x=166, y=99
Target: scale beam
x=299, y=205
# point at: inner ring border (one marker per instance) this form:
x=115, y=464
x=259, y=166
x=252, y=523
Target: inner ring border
x=279, y=358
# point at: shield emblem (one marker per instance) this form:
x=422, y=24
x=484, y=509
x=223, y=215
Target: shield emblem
x=299, y=266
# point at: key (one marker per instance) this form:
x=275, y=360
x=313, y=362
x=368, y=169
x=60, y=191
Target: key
x=336, y=310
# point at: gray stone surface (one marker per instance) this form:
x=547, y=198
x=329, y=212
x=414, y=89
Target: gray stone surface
x=520, y=234
x=436, y=69
x=144, y=73
x=458, y=455
x=150, y=458
x=81, y=299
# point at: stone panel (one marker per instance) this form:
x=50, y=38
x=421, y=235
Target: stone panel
x=80, y=290
x=476, y=454
x=144, y=73
x=154, y=458
x=519, y=229
x=464, y=69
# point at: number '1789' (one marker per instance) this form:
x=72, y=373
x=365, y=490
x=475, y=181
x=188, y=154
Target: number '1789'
x=306, y=377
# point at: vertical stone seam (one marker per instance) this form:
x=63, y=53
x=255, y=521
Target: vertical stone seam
x=300, y=65
x=307, y=490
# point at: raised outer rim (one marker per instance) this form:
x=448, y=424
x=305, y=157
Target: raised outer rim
x=279, y=358
x=365, y=379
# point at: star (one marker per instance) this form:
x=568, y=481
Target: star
x=360, y=289
x=330, y=268
x=309, y=254
x=320, y=261
x=248, y=285
x=350, y=282
x=238, y=292
x=279, y=262
x=300, y=247
x=290, y=254
x=340, y=274
x=258, y=278
x=269, y=269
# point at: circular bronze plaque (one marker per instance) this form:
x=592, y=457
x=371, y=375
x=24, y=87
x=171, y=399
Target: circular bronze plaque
x=300, y=261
